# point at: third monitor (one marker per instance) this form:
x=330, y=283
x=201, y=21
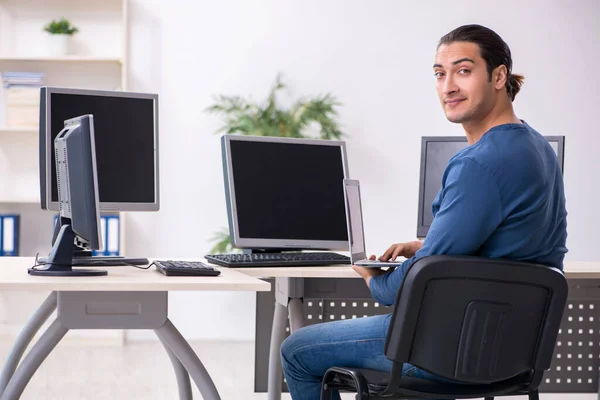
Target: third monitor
x=436, y=152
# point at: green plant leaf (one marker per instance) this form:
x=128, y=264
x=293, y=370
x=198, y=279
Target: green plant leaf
x=222, y=242
x=61, y=27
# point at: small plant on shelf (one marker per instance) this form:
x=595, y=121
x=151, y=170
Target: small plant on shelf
x=61, y=27
x=60, y=32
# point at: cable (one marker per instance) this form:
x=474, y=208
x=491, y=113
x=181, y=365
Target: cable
x=140, y=267
x=36, y=264
x=94, y=264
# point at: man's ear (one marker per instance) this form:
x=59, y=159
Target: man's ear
x=500, y=76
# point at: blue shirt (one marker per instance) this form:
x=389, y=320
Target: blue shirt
x=502, y=197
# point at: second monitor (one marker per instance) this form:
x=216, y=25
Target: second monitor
x=285, y=193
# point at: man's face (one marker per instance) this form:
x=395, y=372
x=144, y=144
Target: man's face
x=463, y=83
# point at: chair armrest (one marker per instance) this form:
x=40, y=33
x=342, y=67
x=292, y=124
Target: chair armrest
x=337, y=378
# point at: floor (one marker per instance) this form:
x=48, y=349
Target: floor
x=143, y=371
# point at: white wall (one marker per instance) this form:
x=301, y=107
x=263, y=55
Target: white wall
x=376, y=57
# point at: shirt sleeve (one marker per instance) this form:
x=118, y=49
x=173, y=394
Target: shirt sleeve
x=470, y=211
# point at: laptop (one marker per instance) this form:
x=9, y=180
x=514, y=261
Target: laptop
x=356, y=233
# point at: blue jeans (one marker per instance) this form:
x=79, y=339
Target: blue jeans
x=351, y=343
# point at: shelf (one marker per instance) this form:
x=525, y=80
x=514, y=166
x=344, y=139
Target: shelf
x=52, y=6
x=18, y=130
x=64, y=59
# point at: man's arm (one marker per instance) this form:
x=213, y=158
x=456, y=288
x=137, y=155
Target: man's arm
x=470, y=211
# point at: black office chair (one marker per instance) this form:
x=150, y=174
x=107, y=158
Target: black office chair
x=489, y=324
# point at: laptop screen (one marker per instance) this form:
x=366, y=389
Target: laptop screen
x=355, y=222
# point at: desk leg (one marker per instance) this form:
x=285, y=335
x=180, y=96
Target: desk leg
x=289, y=293
x=171, y=337
x=31, y=328
x=296, y=314
x=277, y=337
x=183, y=378
x=33, y=360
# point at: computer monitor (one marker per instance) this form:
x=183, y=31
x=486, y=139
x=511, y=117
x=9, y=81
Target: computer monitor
x=126, y=138
x=75, y=157
x=284, y=193
x=436, y=152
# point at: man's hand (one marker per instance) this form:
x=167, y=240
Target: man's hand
x=368, y=273
x=406, y=250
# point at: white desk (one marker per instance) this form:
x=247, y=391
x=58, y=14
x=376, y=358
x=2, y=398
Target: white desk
x=127, y=298
x=582, y=270
x=295, y=283
x=332, y=271
x=572, y=269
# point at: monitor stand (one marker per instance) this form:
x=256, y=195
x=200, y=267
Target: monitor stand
x=60, y=260
x=83, y=258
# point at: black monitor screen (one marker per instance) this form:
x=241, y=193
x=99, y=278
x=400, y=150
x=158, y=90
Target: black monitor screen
x=124, y=132
x=289, y=191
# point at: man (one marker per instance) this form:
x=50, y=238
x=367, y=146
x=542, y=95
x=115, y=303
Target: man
x=501, y=197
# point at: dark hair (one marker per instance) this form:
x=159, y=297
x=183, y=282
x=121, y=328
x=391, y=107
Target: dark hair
x=493, y=50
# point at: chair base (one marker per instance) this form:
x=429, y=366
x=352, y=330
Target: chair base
x=373, y=385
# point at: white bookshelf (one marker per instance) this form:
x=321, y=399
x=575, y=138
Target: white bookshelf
x=19, y=182
x=101, y=40
x=97, y=59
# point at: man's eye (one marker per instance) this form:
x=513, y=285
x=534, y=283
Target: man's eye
x=438, y=74
x=463, y=71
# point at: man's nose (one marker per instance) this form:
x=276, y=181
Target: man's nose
x=450, y=86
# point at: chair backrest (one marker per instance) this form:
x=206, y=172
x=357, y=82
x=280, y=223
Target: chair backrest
x=477, y=320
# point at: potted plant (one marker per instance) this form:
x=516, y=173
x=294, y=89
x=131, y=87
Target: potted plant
x=60, y=32
x=268, y=118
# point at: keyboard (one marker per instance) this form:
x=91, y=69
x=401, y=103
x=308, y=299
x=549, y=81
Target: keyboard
x=277, y=259
x=185, y=268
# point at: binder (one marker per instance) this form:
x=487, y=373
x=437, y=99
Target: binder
x=9, y=235
x=110, y=231
x=102, y=250
x=112, y=235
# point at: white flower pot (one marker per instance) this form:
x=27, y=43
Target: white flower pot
x=58, y=45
